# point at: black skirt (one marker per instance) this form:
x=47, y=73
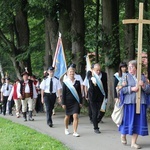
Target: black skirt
x=72, y=108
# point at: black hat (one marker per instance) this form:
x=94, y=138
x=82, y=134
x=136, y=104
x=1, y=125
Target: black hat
x=51, y=68
x=72, y=66
x=7, y=78
x=25, y=73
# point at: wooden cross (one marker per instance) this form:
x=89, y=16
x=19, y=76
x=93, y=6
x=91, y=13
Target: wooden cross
x=140, y=23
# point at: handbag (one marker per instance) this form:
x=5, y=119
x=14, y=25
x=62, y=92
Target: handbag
x=117, y=114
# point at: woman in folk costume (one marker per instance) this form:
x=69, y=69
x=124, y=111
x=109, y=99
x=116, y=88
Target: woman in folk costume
x=14, y=95
x=71, y=100
x=119, y=77
x=134, y=124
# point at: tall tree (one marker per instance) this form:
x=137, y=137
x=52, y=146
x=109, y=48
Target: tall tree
x=14, y=34
x=77, y=32
x=65, y=26
x=129, y=42
x=146, y=8
x=97, y=33
x=22, y=34
x=111, y=42
x=51, y=32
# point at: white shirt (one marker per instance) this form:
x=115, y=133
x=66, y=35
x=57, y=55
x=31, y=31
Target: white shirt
x=76, y=76
x=4, y=89
x=11, y=94
x=86, y=82
x=79, y=78
x=27, y=89
x=45, y=85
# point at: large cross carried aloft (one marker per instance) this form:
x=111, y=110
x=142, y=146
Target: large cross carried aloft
x=140, y=23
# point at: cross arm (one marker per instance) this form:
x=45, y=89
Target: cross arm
x=136, y=21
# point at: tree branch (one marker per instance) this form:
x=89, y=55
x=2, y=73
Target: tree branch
x=3, y=37
x=6, y=41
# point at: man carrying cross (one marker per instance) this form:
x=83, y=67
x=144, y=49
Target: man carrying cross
x=133, y=94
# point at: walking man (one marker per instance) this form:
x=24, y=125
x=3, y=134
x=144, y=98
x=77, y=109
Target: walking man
x=5, y=91
x=26, y=92
x=50, y=89
x=97, y=93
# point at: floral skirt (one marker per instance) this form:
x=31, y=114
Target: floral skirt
x=134, y=123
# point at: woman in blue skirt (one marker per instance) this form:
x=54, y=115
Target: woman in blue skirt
x=134, y=124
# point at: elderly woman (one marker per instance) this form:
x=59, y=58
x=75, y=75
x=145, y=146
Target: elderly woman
x=71, y=100
x=134, y=124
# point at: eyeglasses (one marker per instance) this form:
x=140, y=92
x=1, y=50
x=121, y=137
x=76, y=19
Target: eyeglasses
x=131, y=67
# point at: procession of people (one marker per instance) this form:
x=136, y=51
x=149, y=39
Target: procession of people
x=70, y=93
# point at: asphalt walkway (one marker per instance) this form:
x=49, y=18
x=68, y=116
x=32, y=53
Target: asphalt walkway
x=109, y=139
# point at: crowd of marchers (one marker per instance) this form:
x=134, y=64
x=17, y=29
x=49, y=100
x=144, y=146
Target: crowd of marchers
x=31, y=95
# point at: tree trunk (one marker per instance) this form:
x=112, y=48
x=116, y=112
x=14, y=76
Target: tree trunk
x=15, y=64
x=65, y=26
x=22, y=34
x=97, y=33
x=129, y=31
x=78, y=33
x=51, y=36
x=147, y=30
x=1, y=70
x=111, y=43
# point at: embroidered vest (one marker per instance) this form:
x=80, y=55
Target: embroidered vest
x=22, y=89
x=15, y=92
x=35, y=83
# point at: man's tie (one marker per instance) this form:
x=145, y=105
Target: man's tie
x=7, y=87
x=51, y=86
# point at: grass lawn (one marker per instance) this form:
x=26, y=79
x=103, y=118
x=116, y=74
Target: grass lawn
x=14, y=136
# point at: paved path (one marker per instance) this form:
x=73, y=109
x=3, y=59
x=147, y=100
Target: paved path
x=109, y=139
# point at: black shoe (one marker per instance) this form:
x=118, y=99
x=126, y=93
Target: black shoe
x=101, y=121
x=25, y=119
x=31, y=119
x=51, y=125
x=11, y=114
x=97, y=131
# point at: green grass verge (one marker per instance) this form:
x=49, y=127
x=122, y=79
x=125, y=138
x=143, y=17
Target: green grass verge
x=14, y=136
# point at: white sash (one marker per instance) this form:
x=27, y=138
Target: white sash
x=117, y=76
x=100, y=85
x=72, y=89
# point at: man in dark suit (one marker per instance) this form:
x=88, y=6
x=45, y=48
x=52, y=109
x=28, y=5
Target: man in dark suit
x=97, y=93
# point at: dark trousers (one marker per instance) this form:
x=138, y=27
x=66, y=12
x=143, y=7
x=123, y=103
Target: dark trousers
x=95, y=107
x=10, y=105
x=0, y=107
x=4, y=104
x=49, y=100
x=100, y=116
x=39, y=105
x=89, y=111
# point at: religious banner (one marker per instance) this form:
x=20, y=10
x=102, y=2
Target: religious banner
x=59, y=62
